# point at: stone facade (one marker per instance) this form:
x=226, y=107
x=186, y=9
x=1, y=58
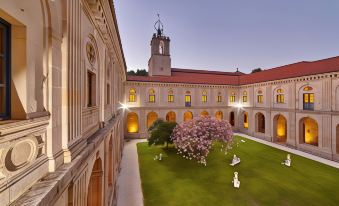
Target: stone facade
x=61, y=136
x=300, y=112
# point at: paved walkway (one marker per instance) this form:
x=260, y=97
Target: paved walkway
x=129, y=183
x=290, y=150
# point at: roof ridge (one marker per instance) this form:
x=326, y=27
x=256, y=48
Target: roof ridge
x=206, y=71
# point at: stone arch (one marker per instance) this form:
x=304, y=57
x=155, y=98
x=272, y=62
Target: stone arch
x=151, y=117
x=219, y=115
x=171, y=116
x=260, y=122
x=308, y=131
x=132, y=122
x=188, y=115
x=232, y=118
x=280, y=128
x=94, y=194
x=204, y=113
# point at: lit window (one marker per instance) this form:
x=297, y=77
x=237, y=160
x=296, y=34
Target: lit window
x=170, y=96
x=232, y=97
x=151, y=95
x=280, y=96
x=260, y=98
x=308, y=88
x=187, y=99
x=4, y=70
x=308, y=101
x=244, y=96
x=131, y=95
x=204, y=96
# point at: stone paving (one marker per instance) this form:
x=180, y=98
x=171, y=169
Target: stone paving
x=129, y=183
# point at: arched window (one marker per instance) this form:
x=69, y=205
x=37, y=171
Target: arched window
x=170, y=116
x=246, y=120
x=244, y=96
x=170, y=96
x=260, y=97
x=219, y=115
x=5, y=72
x=204, y=96
x=151, y=95
x=131, y=97
x=260, y=120
x=308, y=98
x=161, y=47
x=95, y=194
x=132, y=123
x=151, y=117
x=232, y=118
x=219, y=97
x=188, y=116
x=280, y=96
x=188, y=99
x=204, y=114
x=232, y=97
x=309, y=131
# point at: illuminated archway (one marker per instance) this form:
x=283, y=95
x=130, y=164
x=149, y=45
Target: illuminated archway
x=245, y=120
x=232, y=117
x=132, y=122
x=188, y=116
x=219, y=115
x=280, y=128
x=308, y=131
x=204, y=113
x=170, y=116
x=151, y=117
x=260, y=122
x=94, y=195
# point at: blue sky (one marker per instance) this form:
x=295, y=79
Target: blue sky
x=223, y=35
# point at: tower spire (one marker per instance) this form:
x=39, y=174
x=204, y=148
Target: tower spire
x=159, y=27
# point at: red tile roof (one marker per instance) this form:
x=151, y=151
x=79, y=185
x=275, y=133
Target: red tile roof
x=191, y=76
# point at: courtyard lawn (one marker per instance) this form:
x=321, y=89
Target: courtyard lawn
x=264, y=181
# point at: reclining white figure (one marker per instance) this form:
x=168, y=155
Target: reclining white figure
x=160, y=156
x=236, y=182
x=288, y=161
x=235, y=160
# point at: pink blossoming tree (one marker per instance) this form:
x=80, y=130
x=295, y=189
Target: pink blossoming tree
x=193, y=139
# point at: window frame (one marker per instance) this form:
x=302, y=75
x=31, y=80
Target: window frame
x=7, y=69
x=260, y=98
x=132, y=95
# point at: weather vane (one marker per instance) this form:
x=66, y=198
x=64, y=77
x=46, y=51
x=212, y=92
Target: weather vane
x=159, y=27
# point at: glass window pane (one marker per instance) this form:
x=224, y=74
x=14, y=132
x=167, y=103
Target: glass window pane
x=311, y=98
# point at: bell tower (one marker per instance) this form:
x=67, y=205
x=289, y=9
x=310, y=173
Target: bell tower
x=160, y=62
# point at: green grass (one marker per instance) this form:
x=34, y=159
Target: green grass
x=264, y=181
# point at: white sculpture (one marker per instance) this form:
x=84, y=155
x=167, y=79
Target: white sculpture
x=160, y=156
x=288, y=161
x=156, y=157
x=235, y=160
x=236, y=182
